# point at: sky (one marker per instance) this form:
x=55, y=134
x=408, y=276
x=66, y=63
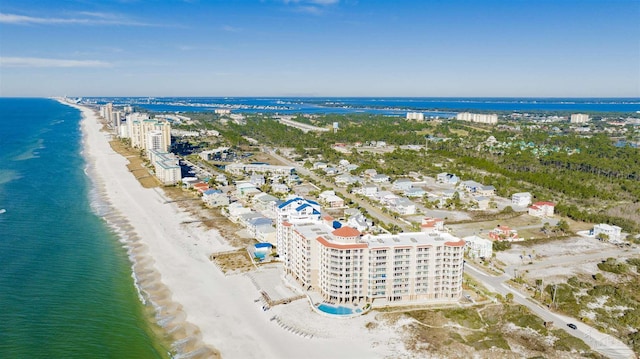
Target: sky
x=490, y=48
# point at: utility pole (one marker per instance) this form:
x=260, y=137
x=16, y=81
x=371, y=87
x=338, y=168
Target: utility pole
x=553, y=299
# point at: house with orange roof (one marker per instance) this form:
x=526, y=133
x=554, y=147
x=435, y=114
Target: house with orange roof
x=504, y=233
x=542, y=209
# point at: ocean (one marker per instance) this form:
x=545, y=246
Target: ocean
x=66, y=286
x=388, y=106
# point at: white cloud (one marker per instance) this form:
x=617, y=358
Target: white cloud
x=313, y=2
x=229, y=28
x=314, y=10
x=46, y=62
x=85, y=18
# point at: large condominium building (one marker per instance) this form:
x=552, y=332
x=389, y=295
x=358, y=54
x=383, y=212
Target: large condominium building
x=491, y=119
x=149, y=134
x=166, y=167
x=418, y=116
x=242, y=168
x=579, y=118
x=344, y=265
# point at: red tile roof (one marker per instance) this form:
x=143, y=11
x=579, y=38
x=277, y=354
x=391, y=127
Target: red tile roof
x=545, y=204
x=459, y=243
x=346, y=231
x=326, y=243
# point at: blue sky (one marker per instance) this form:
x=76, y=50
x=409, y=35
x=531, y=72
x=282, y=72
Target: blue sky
x=509, y=48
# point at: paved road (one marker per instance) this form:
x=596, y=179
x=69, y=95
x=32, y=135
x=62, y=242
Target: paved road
x=599, y=342
x=374, y=211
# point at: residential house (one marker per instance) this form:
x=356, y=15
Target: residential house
x=235, y=210
x=246, y=190
x=257, y=180
x=200, y=187
x=403, y=205
x=370, y=172
x=521, y=199
x=416, y=192
x=265, y=233
x=402, y=184
x=450, y=193
x=215, y=198
x=350, y=167
x=445, y=177
x=222, y=179
x=331, y=171
x=482, y=202
x=487, y=191
x=470, y=186
x=542, y=209
x=280, y=188
x=346, y=179
x=359, y=222
x=188, y=182
x=504, y=233
x=319, y=165
x=263, y=201
x=386, y=197
x=478, y=247
x=613, y=233
x=369, y=190
x=430, y=224
x=331, y=200
x=256, y=222
x=380, y=178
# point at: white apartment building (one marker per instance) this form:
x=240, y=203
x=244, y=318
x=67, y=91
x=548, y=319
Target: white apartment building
x=491, y=119
x=478, y=247
x=140, y=128
x=542, y=209
x=522, y=199
x=154, y=141
x=614, y=233
x=241, y=168
x=344, y=265
x=166, y=167
x=418, y=116
x=579, y=118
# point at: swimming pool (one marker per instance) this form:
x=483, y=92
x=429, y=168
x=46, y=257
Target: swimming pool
x=338, y=310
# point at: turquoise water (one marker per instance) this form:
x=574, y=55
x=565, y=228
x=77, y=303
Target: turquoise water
x=337, y=310
x=66, y=289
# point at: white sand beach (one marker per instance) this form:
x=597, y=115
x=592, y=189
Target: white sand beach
x=214, y=312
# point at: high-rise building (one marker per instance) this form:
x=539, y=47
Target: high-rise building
x=579, y=118
x=140, y=127
x=344, y=265
x=418, y=116
x=491, y=119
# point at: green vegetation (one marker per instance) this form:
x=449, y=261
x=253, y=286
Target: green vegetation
x=612, y=265
x=589, y=178
x=485, y=327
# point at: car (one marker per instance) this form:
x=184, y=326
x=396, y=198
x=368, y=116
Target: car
x=572, y=326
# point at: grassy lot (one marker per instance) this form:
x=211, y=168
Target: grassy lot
x=233, y=262
x=136, y=164
x=488, y=330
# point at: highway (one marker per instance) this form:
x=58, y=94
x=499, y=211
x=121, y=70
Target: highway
x=599, y=342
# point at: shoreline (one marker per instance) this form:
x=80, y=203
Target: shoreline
x=183, y=337
x=206, y=313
